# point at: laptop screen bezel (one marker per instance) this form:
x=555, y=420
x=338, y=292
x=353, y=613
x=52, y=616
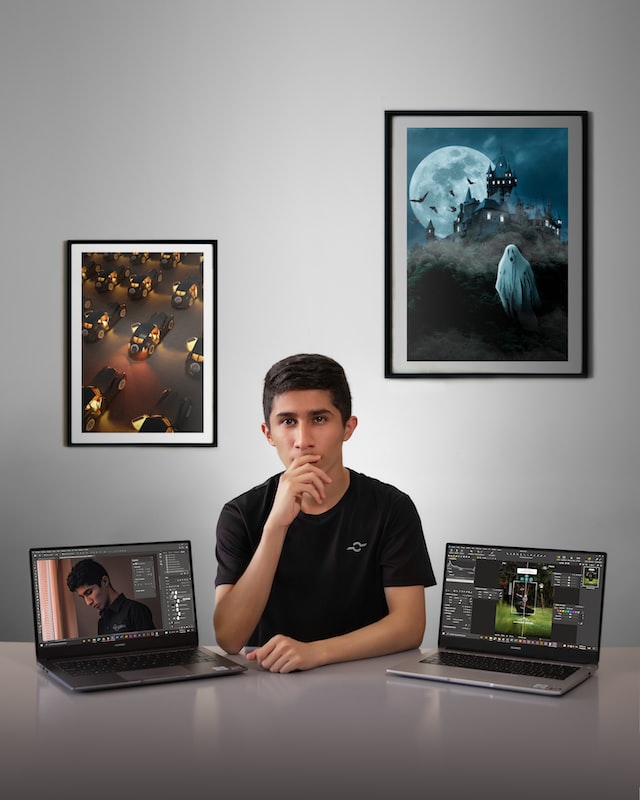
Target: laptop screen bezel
x=59, y=649
x=546, y=653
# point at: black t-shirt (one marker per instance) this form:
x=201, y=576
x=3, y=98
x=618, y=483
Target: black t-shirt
x=125, y=615
x=334, y=566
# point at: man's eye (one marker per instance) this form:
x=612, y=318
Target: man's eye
x=320, y=418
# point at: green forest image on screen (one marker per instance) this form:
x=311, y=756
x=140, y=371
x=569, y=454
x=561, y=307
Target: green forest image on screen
x=526, y=606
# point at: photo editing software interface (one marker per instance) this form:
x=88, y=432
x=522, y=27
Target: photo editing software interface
x=158, y=576
x=539, y=598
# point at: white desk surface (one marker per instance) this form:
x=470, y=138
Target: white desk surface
x=342, y=731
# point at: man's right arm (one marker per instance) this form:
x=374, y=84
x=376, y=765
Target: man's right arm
x=239, y=606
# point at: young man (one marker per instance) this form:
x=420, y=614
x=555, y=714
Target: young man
x=319, y=564
x=90, y=581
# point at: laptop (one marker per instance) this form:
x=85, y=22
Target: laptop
x=516, y=618
x=129, y=621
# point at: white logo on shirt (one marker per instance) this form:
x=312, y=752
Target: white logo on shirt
x=357, y=546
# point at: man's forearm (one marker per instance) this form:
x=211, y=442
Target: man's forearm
x=391, y=634
x=402, y=629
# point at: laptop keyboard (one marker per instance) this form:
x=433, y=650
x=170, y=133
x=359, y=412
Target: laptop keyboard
x=101, y=666
x=493, y=664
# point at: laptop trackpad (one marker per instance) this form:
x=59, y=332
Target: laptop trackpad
x=153, y=673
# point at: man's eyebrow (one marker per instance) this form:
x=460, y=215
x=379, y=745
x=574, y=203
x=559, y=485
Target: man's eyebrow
x=313, y=413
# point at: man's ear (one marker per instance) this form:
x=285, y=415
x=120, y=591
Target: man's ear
x=349, y=428
x=267, y=433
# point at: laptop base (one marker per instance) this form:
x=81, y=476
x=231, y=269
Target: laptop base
x=416, y=668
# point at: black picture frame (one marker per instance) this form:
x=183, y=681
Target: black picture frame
x=142, y=342
x=461, y=188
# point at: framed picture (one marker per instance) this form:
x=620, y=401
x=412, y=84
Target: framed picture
x=142, y=342
x=485, y=243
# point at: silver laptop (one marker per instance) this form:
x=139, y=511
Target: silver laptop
x=118, y=615
x=522, y=619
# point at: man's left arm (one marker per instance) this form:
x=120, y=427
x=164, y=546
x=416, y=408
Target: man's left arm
x=401, y=629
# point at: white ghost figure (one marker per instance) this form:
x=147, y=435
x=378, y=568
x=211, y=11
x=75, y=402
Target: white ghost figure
x=516, y=286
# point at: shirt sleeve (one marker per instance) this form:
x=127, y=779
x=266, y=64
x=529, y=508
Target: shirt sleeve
x=404, y=557
x=240, y=528
x=141, y=617
x=233, y=550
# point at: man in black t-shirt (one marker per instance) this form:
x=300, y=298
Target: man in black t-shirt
x=118, y=614
x=319, y=564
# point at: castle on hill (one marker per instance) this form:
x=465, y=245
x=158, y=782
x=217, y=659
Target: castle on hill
x=502, y=208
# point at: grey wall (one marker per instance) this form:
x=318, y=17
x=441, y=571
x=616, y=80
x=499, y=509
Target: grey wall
x=260, y=124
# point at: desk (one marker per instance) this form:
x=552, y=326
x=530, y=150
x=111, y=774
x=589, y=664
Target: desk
x=346, y=730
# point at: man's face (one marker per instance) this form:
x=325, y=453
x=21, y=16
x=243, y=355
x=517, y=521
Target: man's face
x=307, y=423
x=95, y=595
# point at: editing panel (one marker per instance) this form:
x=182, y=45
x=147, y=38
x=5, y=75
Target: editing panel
x=178, y=602
x=533, y=597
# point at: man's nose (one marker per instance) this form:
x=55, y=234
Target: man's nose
x=304, y=435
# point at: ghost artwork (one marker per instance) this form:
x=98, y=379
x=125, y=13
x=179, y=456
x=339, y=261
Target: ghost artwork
x=516, y=286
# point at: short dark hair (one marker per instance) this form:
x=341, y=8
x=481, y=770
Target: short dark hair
x=307, y=371
x=86, y=573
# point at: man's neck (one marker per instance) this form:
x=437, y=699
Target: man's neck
x=113, y=595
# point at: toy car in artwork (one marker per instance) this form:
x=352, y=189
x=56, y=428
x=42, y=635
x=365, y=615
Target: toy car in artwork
x=185, y=293
x=194, y=362
x=141, y=284
x=148, y=335
x=108, y=279
x=99, y=393
x=169, y=260
x=96, y=322
x=138, y=258
x=169, y=414
x=89, y=268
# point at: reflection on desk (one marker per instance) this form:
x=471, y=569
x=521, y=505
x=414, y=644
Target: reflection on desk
x=342, y=730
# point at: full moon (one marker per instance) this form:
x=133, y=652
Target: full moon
x=440, y=183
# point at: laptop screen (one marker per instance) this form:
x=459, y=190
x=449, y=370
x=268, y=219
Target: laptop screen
x=526, y=601
x=107, y=598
